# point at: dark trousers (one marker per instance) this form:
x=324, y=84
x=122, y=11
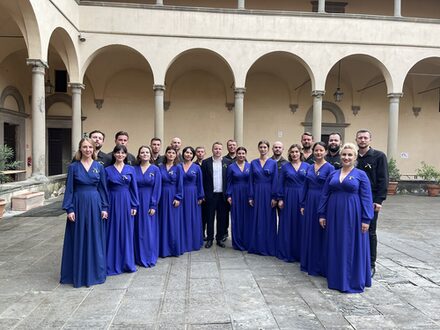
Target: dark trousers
x=216, y=206
x=373, y=239
x=204, y=218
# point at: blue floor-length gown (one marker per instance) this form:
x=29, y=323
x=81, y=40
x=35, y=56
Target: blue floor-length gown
x=346, y=205
x=312, y=253
x=192, y=235
x=262, y=189
x=84, y=253
x=123, y=194
x=291, y=184
x=170, y=217
x=146, y=226
x=238, y=190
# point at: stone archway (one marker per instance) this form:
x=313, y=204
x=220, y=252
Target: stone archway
x=327, y=128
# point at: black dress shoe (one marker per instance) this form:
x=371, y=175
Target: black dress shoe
x=373, y=271
x=221, y=244
x=208, y=244
x=224, y=239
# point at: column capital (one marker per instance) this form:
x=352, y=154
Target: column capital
x=78, y=86
x=158, y=87
x=240, y=90
x=318, y=93
x=37, y=63
x=395, y=95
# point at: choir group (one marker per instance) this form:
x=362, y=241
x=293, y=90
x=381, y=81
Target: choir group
x=120, y=216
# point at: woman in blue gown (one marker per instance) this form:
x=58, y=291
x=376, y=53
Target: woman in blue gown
x=85, y=201
x=192, y=239
x=237, y=193
x=124, y=200
x=170, y=210
x=146, y=223
x=312, y=238
x=345, y=211
x=291, y=183
x=263, y=199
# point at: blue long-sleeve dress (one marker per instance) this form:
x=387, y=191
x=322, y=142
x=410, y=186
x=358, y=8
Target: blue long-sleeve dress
x=84, y=253
x=291, y=184
x=192, y=235
x=146, y=226
x=170, y=217
x=346, y=205
x=312, y=253
x=238, y=190
x=123, y=194
x=262, y=189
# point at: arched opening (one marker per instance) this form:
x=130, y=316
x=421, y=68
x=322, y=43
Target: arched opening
x=278, y=94
x=118, y=95
x=199, y=94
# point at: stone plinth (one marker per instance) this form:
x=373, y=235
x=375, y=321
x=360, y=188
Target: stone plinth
x=27, y=201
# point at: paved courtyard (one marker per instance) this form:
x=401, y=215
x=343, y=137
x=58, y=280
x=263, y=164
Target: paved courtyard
x=222, y=288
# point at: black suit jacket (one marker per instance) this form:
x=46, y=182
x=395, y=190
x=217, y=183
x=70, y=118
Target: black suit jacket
x=208, y=181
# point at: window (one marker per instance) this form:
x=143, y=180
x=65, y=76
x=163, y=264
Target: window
x=60, y=81
x=330, y=6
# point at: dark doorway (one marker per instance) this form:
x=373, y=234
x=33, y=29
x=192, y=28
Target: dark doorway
x=324, y=138
x=59, y=153
x=10, y=137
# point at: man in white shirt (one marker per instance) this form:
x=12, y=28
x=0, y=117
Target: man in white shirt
x=214, y=185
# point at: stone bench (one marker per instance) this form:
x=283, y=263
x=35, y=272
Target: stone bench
x=27, y=201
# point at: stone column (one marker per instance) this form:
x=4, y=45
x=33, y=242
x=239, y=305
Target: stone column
x=159, y=2
x=393, y=125
x=159, y=91
x=241, y=4
x=238, y=115
x=317, y=114
x=321, y=6
x=76, y=115
x=38, y=106
x=397, y=8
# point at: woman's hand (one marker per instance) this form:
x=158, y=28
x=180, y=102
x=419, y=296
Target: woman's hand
x=251, y=202
x=151, y=212
x=133, y=212
x=322, y=222
x=199, y=202
x=273, y=203
x=281, y=204
x=104, y=215
x=365, y=227
x=71, y=216
x=229, y=200
x=302, y=211
x=176, y=203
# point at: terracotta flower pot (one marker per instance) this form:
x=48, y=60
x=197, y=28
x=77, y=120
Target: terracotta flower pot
x=392, y=187
x=433, y=189
x=2, y=207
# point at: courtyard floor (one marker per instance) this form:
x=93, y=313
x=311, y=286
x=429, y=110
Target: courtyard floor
x=221, y=288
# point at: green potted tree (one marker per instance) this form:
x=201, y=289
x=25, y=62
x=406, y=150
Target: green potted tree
x=432, y=175
x=394, y=176
x=7, y=163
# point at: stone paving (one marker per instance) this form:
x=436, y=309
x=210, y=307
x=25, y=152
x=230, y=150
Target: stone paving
x=225, y=289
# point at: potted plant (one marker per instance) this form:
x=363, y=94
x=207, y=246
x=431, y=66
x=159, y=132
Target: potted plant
x=432, y=175
x=7, y=162
x=394, y=176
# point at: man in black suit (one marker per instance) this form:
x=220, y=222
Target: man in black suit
x=98, y=138
x=121, y=137
x=214, y=185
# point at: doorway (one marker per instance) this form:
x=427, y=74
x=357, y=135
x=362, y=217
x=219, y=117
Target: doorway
x=59, y=150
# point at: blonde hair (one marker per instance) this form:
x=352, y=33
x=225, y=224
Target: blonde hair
x=350, y=146
x=78, y=153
